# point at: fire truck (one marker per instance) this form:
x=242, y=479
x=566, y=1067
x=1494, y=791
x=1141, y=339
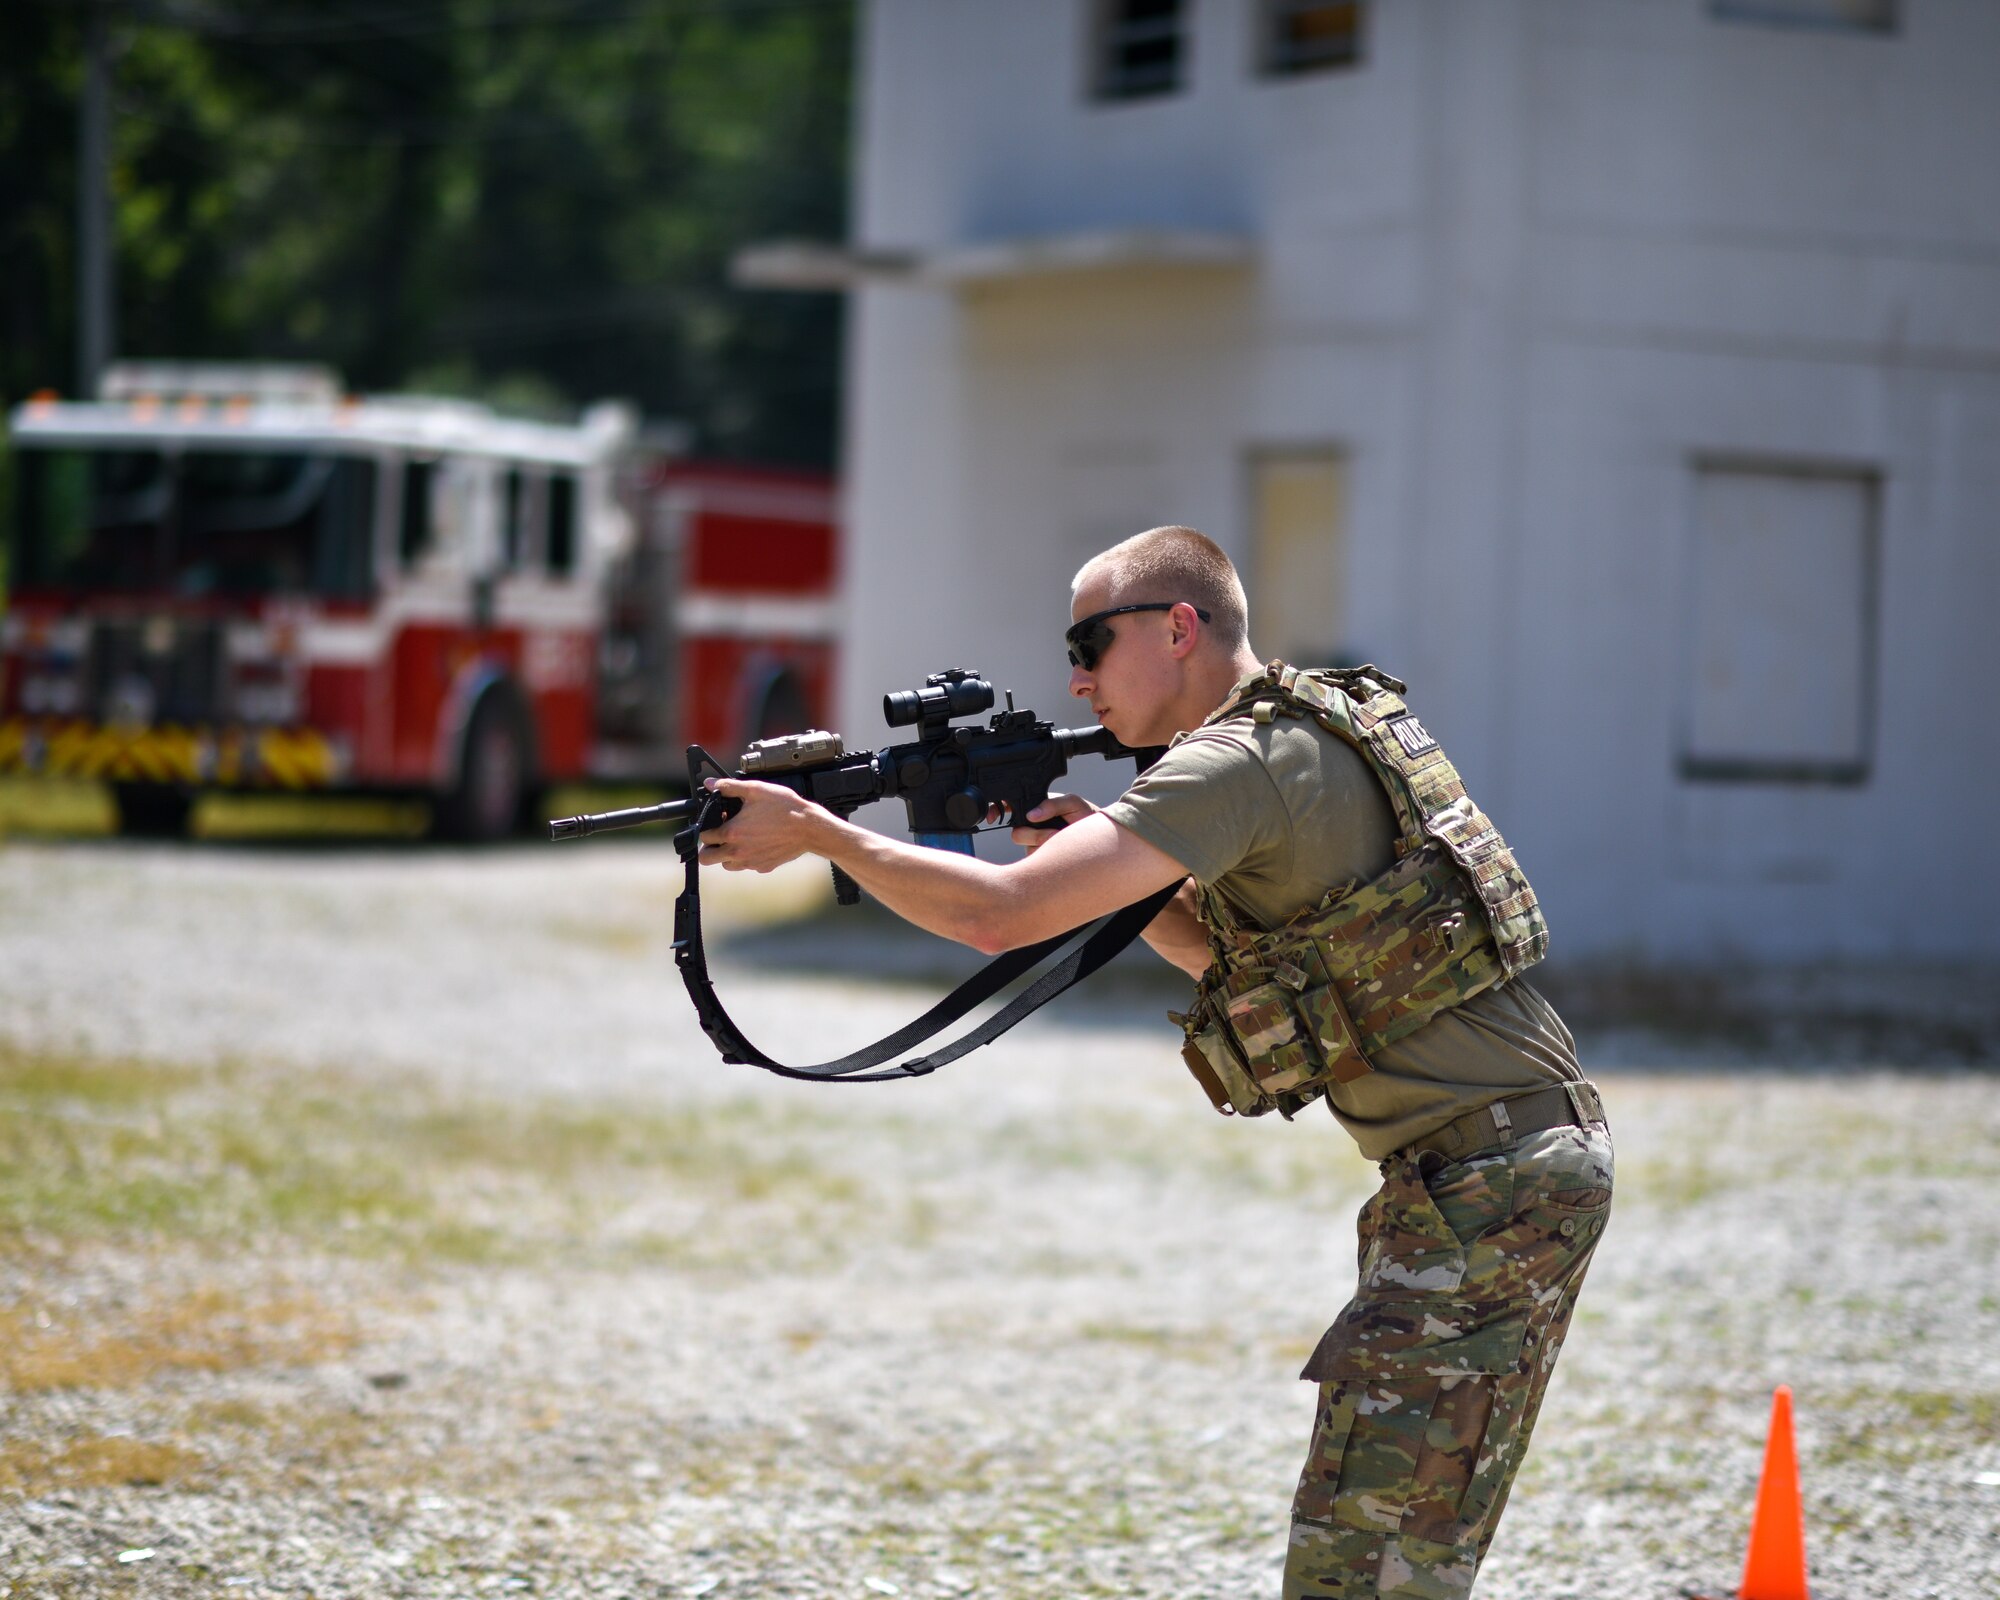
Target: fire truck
x=240, y=578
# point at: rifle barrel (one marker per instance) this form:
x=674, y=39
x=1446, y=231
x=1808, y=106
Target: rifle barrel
x=605, y=821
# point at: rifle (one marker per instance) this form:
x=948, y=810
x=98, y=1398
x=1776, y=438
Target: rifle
x=950, y=779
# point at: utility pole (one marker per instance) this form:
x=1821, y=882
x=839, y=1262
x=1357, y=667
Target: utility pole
x=96, y=301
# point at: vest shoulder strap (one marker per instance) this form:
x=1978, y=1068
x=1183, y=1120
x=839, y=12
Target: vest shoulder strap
x=1364, y=708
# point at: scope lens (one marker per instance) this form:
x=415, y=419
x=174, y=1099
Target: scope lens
x=902, y=706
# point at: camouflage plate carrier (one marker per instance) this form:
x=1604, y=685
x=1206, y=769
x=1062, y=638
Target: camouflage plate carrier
x=1281, y=1016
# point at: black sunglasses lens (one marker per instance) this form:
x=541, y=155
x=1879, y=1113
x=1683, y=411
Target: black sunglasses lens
x=1087, y=644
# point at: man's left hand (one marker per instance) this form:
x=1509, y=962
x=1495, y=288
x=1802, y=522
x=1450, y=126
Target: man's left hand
x=774, y=826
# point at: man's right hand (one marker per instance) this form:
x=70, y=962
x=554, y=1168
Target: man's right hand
x=1068, y=807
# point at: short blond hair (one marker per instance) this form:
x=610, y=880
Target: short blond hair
x=1175, y=563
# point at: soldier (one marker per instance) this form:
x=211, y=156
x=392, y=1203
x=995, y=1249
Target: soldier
x=1355, y=926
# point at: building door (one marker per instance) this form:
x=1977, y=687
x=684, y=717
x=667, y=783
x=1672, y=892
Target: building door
x=1298, y=555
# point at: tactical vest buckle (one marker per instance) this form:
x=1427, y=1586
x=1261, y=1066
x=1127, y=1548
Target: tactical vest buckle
x=1453, y=933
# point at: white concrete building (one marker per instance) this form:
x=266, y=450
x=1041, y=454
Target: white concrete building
x=1625, y=374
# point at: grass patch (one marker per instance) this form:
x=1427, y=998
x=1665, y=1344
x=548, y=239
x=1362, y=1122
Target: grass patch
x=72, y=1084
x=1666, y=1455
x=79, y=808
x=126, y=1148
x=1685, y=1178
x=608, y=938
x=47, y=1346
x=307, y=1446
x=83, y=808
x=95, y=1463
x=1740, y=1146
x=1212, y=1343
x=933, y=1471
x=1901, y=1427
x=55, y=806
x=135, y=1151
x=1310, y=1165
x=283, y=816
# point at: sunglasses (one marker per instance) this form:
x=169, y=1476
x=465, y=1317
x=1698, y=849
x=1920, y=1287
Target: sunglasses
x=1090, y=638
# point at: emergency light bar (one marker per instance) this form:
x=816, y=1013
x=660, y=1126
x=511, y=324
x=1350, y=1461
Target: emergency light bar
x=259, y=382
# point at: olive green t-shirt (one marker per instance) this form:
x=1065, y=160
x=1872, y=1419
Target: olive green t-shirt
x=1272, y=816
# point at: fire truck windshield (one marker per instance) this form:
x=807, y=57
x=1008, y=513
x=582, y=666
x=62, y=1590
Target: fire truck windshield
x=194, y=523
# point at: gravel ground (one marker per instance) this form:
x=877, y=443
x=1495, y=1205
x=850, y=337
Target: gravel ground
x=376, y=1221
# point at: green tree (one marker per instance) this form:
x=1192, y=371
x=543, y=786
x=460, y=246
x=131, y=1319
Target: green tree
x=496, y=196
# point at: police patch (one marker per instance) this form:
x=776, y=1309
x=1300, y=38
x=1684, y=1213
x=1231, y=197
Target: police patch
x=1412, y=735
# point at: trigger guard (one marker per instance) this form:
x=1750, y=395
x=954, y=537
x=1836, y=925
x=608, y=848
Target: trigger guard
x=716, y=809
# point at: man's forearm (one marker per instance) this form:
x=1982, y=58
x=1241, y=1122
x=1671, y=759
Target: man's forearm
x=940, y=891
x=1091, y=868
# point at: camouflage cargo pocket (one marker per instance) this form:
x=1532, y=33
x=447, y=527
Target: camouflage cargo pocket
x=1428, y=1393
x=1210, y=1054
x=1320, y=1479
x=1281, y=1052
x=1326, y=1015
x=1275, y=1035
x=1245, y=1044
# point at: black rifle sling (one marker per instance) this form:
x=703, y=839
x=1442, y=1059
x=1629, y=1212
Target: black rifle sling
x=1107, y=938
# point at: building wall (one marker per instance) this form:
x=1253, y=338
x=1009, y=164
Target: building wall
x=1525, y=268
x=1782, y=247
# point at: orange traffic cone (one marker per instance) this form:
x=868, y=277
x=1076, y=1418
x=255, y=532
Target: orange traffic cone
x=1776, y=1567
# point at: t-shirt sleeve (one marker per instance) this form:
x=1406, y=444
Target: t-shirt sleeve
x=1209, y=802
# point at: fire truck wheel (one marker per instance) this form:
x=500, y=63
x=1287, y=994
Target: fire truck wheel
x=152, y=811
x=485, y=803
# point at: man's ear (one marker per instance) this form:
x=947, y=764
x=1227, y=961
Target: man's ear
x=1184, y=630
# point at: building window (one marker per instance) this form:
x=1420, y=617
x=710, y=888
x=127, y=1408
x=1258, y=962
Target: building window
x=1781, y=626
x=1308, y=35
x=1140, y=48
x=1831, y=16
x=513, y=519
x=416, y=529
x=560, y=547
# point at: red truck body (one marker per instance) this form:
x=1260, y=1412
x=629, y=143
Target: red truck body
x=239, y=578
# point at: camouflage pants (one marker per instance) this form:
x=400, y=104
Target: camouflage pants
x=1431, y=1377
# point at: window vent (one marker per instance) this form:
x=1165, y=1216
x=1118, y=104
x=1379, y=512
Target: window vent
x=1140, y=49
x=1308, y=36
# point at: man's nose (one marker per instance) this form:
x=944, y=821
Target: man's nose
x=1079, y=683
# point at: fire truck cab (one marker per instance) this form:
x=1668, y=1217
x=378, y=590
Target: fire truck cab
x=239, y=578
